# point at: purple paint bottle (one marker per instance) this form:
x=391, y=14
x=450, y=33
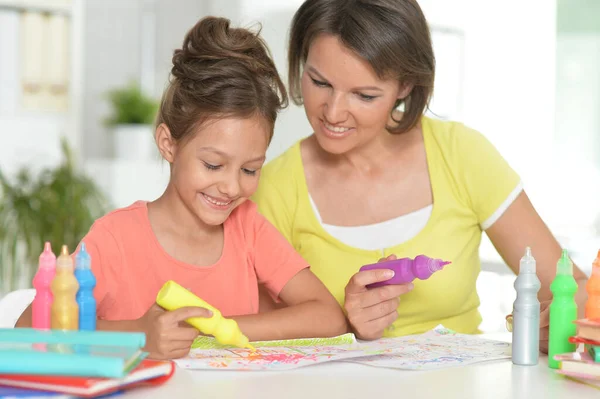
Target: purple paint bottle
x=407, y=269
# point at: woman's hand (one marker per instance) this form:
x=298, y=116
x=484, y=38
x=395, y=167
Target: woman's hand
x=167, y=334
x=544, y=325
x=371, y=311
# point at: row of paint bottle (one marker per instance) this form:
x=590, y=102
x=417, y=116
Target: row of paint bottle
x=64, y=298
x=562, y=312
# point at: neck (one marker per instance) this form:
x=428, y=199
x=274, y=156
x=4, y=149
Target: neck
x=169, y=210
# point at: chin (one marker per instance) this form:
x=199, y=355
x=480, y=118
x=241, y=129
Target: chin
x=335, y=146
x=212, y=219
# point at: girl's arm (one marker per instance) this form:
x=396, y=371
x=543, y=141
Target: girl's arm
x=311, y=312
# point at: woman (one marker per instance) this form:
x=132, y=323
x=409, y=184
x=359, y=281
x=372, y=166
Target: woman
x=375, y=182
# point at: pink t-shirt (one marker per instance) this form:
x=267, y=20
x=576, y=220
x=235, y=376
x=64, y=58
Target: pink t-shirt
x=130, y=265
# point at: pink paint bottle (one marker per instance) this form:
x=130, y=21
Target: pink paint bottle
x=42, y=302
x=407, y=269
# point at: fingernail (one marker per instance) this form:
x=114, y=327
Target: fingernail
x=388, y=273
x=411, y=286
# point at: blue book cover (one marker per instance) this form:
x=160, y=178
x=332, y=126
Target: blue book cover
x=111, y=338
x=17, y=393
x=68, y=360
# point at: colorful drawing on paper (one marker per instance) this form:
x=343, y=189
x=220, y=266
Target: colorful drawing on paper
x=438, y=348
x=207, y=353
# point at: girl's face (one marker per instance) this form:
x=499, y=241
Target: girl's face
x=345, y=101
x=218, y=169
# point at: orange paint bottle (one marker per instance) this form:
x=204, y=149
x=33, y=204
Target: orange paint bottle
x=592, y=306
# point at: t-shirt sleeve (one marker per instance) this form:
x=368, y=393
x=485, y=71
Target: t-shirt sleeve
x=105, y=262
x=490, y=183
x=275, y=260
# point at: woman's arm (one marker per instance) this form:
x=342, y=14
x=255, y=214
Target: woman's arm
x=520, y=226
x=311, y=311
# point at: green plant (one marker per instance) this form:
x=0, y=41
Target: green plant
x=131, y=106
x=58, y=205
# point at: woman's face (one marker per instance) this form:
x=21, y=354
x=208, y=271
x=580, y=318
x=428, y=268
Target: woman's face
x=345, y=101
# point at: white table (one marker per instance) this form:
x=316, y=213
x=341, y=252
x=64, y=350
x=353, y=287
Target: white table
x=498, y=380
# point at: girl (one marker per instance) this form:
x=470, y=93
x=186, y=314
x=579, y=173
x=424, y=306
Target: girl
x=214, y=125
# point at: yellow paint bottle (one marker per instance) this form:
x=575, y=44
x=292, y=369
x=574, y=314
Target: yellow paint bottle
x=64, y=310
x=173, y=296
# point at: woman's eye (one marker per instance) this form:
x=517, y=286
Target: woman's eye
x=366, y=97
x=318, y=83
x=249, y=171
x=211, y=166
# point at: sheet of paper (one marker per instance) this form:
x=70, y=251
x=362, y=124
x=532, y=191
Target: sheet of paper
x=207, y=353
x=435, y=349
x=438, y=348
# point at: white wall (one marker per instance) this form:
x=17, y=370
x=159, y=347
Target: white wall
x=114, y=55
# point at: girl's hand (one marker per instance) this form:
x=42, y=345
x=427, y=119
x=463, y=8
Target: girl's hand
x=371, y=311
x=167, y=334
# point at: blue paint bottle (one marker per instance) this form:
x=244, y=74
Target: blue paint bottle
x=85, y=295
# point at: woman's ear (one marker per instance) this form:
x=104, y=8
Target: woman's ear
x=165, y=143
x=404, y=89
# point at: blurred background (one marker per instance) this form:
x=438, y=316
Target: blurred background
x=80, y=79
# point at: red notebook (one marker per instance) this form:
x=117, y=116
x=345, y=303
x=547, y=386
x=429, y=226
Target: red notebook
x=148, y=372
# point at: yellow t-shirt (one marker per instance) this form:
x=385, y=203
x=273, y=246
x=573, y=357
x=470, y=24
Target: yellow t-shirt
x=470, y=181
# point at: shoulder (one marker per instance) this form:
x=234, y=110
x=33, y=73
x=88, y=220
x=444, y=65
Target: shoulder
x=246, y=221
x=453, y=135
x=284, y=166
x=280, y=181
x=244, y=213
x=460, y=147
x=122, y=221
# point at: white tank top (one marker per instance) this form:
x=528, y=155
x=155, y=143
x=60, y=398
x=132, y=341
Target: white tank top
x=381, y=235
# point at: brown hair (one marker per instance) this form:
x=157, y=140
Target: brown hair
x=391, y=35
x=220, y=72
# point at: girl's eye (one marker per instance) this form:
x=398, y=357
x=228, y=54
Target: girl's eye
x=318, y=83
x=211, y=167
x=366, y=97
x=249, y=172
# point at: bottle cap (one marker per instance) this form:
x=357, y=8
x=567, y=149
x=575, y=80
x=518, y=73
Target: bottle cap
x=527, y=264
x=596, y=265
x=564, y=265
x=82, y=259
x=47, y=258
x=64, y=261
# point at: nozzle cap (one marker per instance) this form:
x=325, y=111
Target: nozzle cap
x=82, y=259
x=47, y=258
x=527, y=263
x=64, y=261
x=564, y=265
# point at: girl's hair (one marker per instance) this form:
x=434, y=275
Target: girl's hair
x=391, y=35
x=220, y=72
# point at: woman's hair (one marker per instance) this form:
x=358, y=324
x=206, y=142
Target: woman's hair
x=391, y=35
x=220, y=72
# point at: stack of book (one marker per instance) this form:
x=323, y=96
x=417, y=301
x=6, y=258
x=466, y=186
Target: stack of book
x=78, y=363
x=583, y=366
